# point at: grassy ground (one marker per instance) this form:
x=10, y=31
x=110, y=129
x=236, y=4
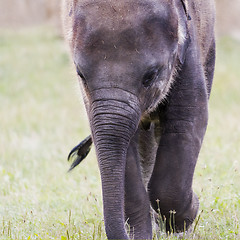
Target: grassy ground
x=41, y=119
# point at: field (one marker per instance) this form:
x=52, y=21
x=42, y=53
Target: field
x=42, y=118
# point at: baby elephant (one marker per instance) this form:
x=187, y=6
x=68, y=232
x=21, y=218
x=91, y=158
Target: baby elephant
x=145, y=69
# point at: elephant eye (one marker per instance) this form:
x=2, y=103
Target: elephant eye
x=80, y=74
x=150, y=76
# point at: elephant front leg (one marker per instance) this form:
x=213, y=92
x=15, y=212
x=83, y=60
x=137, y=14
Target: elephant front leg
x=170, y=186
x=137, y=204
x=183, y=123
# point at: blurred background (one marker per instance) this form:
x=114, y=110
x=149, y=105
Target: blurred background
x=23, y=13
x=42, y=118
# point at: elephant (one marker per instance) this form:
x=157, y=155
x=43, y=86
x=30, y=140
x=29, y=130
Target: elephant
x=145, y=69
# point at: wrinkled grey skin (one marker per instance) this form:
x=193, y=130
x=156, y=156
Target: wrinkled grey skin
x=145, y=71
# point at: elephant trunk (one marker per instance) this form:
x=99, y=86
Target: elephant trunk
x=114, y=120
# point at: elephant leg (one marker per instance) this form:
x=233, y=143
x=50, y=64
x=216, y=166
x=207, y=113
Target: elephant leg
x=171, y=183
x=137, y=204
x=148, y=145
x=183, y=122
x=210, y=66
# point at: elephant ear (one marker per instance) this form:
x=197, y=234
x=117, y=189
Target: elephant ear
x=185, y=7
x=182, y=49
x=183, y=32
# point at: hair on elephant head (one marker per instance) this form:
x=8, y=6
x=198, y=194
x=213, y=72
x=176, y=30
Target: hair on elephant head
x=145, y=69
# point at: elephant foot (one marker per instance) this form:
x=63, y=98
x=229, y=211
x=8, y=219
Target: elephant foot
x=176, y=222
x=186, y=234
x=185, y=220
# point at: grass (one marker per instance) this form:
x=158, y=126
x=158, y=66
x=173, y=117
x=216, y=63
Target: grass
x=41, y=119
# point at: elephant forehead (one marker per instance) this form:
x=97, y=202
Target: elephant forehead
x=150, y=32
x=107, y=40
x=115, y=15
x=112, y=13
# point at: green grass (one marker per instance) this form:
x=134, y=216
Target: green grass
x=42, y=118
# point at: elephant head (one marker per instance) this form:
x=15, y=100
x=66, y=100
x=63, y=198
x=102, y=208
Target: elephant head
x=126, y=54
